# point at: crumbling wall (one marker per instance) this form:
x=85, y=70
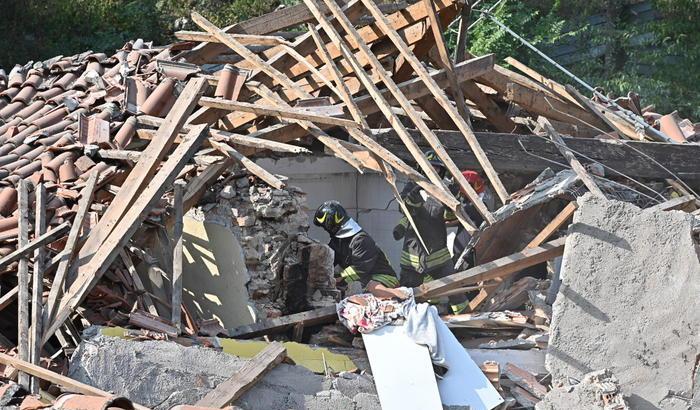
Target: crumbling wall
x=629, y=301
x=160, y=374
x=271, y=226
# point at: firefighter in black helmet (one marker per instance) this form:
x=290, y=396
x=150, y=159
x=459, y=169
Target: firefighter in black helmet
x=418, y=264
x=356, y=252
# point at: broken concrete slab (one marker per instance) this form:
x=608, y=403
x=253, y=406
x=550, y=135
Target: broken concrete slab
x=629, y=301
x=597, y=391
x=164, y=374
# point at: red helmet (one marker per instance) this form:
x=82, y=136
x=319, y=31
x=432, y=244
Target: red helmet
x=475, y=181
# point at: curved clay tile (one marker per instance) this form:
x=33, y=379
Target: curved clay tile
x=15, y=165
x=25, y=95
x=43, y=111
x=66, y=80
x=10, y=93
x=66, y=173
x=28, y=169
x=16, y=77
x=21, y=150
x=31, y=109
x=51, y=118
x=34, y=153
x=50, y=93
x=8, y=159
x=12, y=123
x=159, y=97
x=56, y=163
x=8, y=201
x=125, y=133
x=11, y=109
x=34, y=79
x=22, y=135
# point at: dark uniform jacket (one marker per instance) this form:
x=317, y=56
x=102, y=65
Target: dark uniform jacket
x=361, y=259
x=429, y=216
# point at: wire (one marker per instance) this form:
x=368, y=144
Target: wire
x=634, y=118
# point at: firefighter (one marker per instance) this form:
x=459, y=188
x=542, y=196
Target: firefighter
x=356, y=253
x=463, y=237
x=418, y=264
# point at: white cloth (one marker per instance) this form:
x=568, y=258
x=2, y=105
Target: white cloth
x=421, y=327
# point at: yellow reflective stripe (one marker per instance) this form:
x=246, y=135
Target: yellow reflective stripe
x=386, y=280
x=403, y=222
x=438, y=258
x=408, y=259
x=349, y=274
x=449, y=215
x=408, y=202
x=456, y=309
x=427, y=278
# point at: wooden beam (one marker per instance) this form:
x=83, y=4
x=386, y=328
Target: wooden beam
x=8, y=297
x=128, y=225
x=552, y=85
x=571, y=158
x=37, y=281
x=537, y=102
x=463, y=33
x=491, y=270
x=251, y=166
x=58, y=284
x=245, y=39
x=293, y=113
x=44, y=239
x=55, y=378
x=554, y=225
x=23, y=280
x=675, y=203
x=178, y=227
x=456, y=116
x=527, y=154
x=138, y=283
x=144, y=169
x=381, y=102
x=245, y=378
x=280, y=324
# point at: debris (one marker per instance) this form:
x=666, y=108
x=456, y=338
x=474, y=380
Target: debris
x=597, y=390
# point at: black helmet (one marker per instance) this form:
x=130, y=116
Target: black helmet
x=331, y=216
x=436, y=162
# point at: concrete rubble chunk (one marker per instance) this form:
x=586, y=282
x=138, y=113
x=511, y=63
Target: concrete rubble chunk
x=160, y=375
x=597, y=391
x=629, y=302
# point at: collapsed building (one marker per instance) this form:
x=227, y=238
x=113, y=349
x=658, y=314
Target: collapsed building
x=156, y=203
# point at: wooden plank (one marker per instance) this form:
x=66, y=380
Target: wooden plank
x=245, y=39
x=58, y=284
x=491, y=270
x=456, y=116
x=554, y=225
x=463, y=33
x=280, y=324
x=277, y=20
x=525, y=154
x=245, y=378
x=43, y=239
x=8, y=297
x=144, y=169
x=138, y=283
x=539, y=103
x=525, y=399
x=178, y=227
x=525, y=379
x=251, y=166
x=122, y=233
x=152, y=322
x=552, y=85
x=571, y=158
x=120, y=154
x=675, y=203
x=381, y=102
x=259, y=109
x=55, y=378
x=23, y=280
x=488, y=107
x=37, y=281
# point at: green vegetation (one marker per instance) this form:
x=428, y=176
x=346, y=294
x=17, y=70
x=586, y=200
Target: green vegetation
x=662, y=67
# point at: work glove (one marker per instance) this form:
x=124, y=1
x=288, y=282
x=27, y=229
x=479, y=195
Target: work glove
x=411, y=194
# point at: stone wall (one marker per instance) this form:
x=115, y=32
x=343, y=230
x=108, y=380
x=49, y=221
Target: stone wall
x=271, y=226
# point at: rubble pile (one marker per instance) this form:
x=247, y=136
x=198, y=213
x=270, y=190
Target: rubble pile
x=131, y=199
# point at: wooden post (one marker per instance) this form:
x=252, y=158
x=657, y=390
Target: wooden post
x=23, y=281
x=62, y=270
x=463, y=33
x=178, y=227
x=570, y=158
x=37, y=281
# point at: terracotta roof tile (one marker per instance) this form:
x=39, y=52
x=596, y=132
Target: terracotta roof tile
x=25, y=95
x=16, y=77
x=125, y=133
x=8, y=158
x=28, y=169
x=159, y=97
x=66, y=173
x=51, y=118
x=8, y=201
x=11, y=109
x=50, y=93
x=31, y=109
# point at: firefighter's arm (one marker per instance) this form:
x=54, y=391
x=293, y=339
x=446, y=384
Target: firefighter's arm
x=382, y=292
x=400, y=228
x=364, y=254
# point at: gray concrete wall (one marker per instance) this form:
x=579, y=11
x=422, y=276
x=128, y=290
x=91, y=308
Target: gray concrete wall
x=365, y=196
